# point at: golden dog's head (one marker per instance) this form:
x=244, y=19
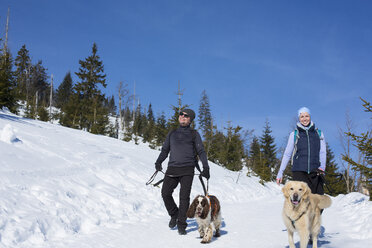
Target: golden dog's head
x=296, y=191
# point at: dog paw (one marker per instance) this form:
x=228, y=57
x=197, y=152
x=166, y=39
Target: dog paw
x=217, y=234
x=204, y=241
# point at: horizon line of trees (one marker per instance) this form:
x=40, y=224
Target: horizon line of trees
x=82, y=105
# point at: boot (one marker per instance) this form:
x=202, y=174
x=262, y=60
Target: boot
x=173, y=221
x=182, y=231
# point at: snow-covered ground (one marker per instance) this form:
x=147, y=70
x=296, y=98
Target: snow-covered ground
x=61, y=187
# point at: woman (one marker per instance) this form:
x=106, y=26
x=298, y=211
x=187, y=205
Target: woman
x=306, y=149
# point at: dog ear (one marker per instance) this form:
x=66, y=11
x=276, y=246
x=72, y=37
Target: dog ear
x=191, y=211
x=307, y=191
x=215, y=206
x=206, y=208
x=285, y=190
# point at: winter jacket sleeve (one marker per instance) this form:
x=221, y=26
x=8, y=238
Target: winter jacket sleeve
x=164, y=150
x=322, y=153
x=287, y=155
x=200, y=151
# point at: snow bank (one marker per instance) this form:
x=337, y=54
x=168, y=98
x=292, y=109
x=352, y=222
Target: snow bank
x=351, y=207
x=8, y=135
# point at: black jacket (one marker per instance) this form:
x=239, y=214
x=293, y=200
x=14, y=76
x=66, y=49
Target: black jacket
x=180, y=145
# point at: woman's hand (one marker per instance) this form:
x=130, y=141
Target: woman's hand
x=279, y=181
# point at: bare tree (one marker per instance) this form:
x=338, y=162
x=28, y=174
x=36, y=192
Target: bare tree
x=345, y=141
x=123, y=101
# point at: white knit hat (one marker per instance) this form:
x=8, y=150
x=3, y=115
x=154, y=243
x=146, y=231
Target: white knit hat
x=303, y=110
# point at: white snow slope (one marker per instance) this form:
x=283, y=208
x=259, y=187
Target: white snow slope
x=61, y=187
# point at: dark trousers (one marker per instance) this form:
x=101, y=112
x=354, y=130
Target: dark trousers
x=313, y=180
x=169, y=184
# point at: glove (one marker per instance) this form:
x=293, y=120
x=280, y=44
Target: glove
x=205, y=173
x=320, y=171
x=158, y=167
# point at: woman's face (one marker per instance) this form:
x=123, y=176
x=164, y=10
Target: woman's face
x=304, y=119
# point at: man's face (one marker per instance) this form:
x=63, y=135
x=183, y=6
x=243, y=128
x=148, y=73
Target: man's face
x=184, y=119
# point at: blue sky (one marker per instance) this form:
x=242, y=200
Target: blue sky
x=257, y=60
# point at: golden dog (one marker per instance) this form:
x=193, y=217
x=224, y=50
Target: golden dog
x=301, y=212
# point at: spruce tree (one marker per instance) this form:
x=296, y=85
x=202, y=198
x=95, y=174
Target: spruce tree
x=335, y=185
x=7, y=84
x=110, y=105
x=217, y=149
x=64, y=91
x=22, y=73
x=161, y=130
x=127, y=124
x=205, y=120
x=138, y=124
x=149, y=132
x=92, y=114
x=269, y=153
x=254, y=157
x=39, y=82
x=234, y=152
x=43, y=114
x=363, y=143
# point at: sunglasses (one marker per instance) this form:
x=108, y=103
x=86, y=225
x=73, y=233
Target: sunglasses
x=184, y=115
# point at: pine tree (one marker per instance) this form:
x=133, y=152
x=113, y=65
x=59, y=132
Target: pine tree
x=92, y=114
x=43, y=114
x=161, y=130
x=149, y=131
x=205, y=120
x=217, y=149
x=138, y=124
x=334, y=183
x=64, y=91
x=127, y=124
x=110, y=105
x=39, y=82
x=7, y=84
x=254, y=157
x=22, y=73
x=234, y=149
x=268, y=149
x=363, y=143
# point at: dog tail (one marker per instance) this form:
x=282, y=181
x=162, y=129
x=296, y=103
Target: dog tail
x=324, y=201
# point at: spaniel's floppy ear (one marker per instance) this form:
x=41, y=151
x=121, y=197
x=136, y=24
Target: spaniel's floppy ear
x=191, y=212
x=206, y=208
x=215, y=206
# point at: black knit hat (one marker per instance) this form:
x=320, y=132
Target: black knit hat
x=190, y=113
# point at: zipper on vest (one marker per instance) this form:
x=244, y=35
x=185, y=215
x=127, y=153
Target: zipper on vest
x=308, y=152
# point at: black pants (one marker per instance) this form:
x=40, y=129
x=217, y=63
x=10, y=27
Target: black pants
x=313, y=180
x=185, y=178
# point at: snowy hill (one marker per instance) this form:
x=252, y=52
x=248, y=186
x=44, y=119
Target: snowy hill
x=61, y=187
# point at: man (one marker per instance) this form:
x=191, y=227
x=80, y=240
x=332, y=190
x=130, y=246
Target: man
x=183, y=144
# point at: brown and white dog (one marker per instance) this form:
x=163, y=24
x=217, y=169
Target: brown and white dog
x=301, y=212
x=207, y=211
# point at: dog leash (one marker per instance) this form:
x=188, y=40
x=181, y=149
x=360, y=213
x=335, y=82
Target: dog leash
x=152, y=178
x=321, y=174
x=205, y=189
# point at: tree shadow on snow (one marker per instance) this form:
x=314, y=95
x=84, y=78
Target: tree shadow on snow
x=322, y=235
x=14, y=118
